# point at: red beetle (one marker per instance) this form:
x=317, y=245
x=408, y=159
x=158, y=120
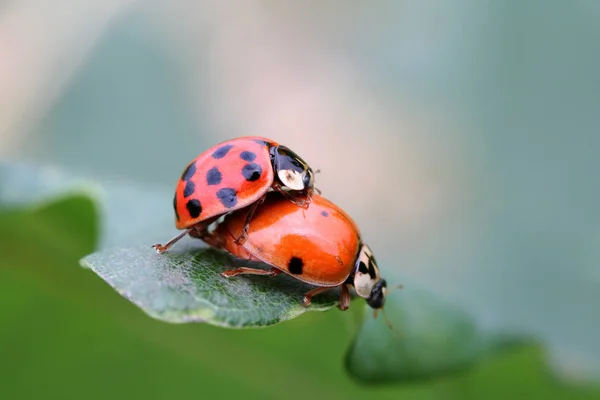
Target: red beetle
x=235, y=174
x=320, y=245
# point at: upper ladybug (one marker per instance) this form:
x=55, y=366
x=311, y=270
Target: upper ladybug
x=233, y=175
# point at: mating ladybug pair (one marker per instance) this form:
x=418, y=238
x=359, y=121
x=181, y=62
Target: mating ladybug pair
x=291, y=228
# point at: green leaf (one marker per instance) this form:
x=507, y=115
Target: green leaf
x=429, y=338
x=45, y=214
x=185, y=285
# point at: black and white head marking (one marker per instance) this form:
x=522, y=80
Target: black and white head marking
x=291, y=170
x=367, y=279
x=366, y=273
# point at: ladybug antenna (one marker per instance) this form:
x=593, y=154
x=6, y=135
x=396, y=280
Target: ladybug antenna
x=316, y=189
x=387, y=321
x=376, y=310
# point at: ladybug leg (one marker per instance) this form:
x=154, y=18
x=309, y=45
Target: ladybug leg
x=309, y=295
x=244, y=235
x=162, y=248
x=344, y=298
x=309, y=194
x=250, y=271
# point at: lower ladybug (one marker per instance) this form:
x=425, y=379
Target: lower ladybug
x=320, y=245
x=236, y=174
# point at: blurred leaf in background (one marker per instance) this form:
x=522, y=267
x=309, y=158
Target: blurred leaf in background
x=429, y=337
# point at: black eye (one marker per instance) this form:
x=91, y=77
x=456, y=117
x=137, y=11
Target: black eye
x=308, y=179
x=377, y=297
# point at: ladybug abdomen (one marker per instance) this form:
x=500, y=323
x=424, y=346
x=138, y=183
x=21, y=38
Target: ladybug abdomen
x=317, y=245
x=226, y=177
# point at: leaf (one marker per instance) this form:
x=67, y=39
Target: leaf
x=45, y=213
x=429, y=338
x=62, y=229
x=185, y=285
x=25, y=186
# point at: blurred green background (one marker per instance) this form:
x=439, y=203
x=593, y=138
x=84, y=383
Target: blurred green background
x=462, y=136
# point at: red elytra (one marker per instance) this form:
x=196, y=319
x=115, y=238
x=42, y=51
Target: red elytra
x=236, y=174
x=320, y=245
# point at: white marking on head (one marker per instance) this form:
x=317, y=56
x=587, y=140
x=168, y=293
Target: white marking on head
x=363, y=284
x=291, y=179
x=366, y=274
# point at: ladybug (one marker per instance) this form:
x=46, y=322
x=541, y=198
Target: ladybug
x=320, y=245
x=235, y=174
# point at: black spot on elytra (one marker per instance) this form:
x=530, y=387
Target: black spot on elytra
x=263, y=143
x=362, y=268
x=324, y=213
x=222, y=151
x=194, y=208
x=175, y=206
x=247, y=156
x=189, y=189
x=228, y=197
x=252, y=172
x=295, y=266
x=213, y=176
x=189, y=172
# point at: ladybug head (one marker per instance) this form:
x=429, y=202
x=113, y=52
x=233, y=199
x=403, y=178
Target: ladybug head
x=368, y=283
x=367, y=279
x=291, y=170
